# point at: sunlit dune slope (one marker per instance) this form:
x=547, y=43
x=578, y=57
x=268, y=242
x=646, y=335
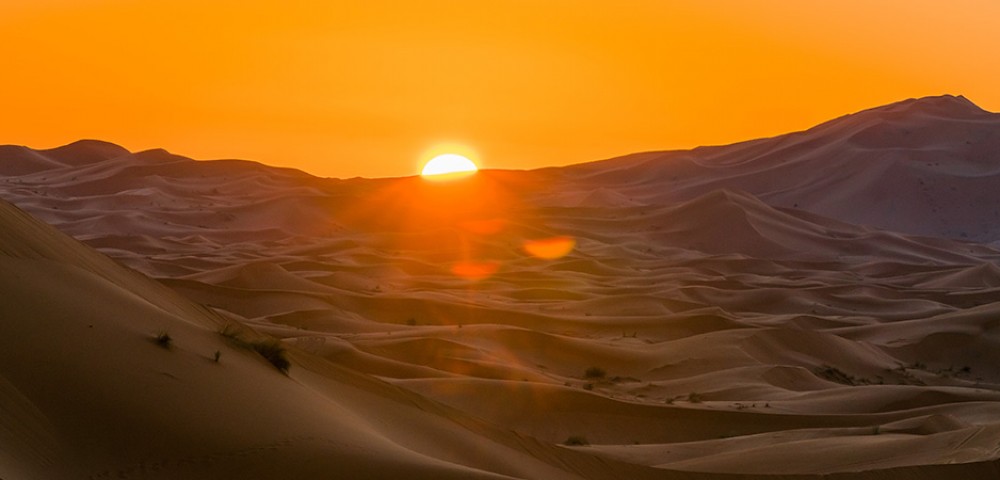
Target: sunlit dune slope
x=759, y=310
x=922, y=166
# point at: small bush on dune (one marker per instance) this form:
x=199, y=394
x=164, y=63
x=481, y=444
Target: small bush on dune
x=271, y=349
x=273, y=352
x=576, y=441
x=594, y=372
x=163, y=339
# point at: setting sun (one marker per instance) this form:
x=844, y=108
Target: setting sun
x=450, y=165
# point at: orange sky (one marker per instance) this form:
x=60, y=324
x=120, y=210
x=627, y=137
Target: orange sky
x=367, y=88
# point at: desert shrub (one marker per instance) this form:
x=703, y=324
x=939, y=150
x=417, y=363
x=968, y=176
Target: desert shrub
x=695, y=397
x=273, y=351
x=594, y=372
x=837, y=375
x=576, y=441
x=164, y=340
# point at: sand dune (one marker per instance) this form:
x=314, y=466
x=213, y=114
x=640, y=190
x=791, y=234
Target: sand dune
x=922, y=167
x=88, y=393
x=759, y=310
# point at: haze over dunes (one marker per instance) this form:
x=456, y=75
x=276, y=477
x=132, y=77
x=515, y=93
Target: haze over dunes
x=823, y=303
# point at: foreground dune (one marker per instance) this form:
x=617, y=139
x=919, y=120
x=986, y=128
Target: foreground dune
x=87, y=392
x=709, y=314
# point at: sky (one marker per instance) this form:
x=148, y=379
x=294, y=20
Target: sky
x=373, y=88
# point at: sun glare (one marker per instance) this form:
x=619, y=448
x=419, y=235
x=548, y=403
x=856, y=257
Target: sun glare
x=550, y=248
x=448, y=165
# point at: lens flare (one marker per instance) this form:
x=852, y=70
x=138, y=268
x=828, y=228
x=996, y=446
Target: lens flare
x=550, y=248
x=475, y=270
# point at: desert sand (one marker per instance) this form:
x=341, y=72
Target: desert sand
x=823, y=304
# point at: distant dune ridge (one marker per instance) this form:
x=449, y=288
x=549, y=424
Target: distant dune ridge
x=923, y=167
x=822, y=304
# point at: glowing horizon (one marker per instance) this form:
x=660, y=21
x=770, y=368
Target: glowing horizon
x=345, y=89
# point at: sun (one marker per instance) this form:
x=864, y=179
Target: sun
x=448, y=165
